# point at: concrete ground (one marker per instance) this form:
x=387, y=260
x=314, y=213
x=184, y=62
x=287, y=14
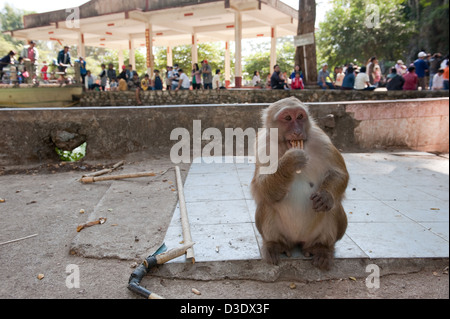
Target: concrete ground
x=397, y=205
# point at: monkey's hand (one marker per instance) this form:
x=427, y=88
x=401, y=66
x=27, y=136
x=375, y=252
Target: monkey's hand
x=323, y=201
x=274, y=187
x=292, y=161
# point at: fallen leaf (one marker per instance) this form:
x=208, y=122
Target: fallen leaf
x=352, y=278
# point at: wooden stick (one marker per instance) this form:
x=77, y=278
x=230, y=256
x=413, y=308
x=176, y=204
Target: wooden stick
x=173, y=253
x=101, y=220
x=92, y=179
x=106, y=170
x=18, y=239
x=184, y=216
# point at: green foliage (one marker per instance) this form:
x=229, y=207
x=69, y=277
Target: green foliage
x=260, y=60
x=72, y=156
x=11, y=19
x=350, y=32
x=431, y=20
x=214, y=53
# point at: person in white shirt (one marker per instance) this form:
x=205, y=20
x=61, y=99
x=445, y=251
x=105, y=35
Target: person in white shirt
x=216, y=80
x=438, y=80
x=256, y=81
x=362, y=81
x=339, y=77
x=183, y=83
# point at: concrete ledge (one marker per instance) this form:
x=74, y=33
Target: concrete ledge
x=293, y=269
x=113, y=132
x=241, y=96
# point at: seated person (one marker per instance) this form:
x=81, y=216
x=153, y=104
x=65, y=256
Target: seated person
x=362, y=81
x=394, y=81
x=134, y=85
x=297, y=82
x=324, y=80
x=157, y=81
x=349, y=80
x=146, y=83
x=277, y=81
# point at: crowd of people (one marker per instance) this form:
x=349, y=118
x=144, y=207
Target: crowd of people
x=13, y=69
x=175, y=79
x=427, y=72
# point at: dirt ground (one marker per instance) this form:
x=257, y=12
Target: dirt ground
x=46, y=201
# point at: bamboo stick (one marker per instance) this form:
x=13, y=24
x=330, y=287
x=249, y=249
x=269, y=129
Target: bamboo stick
x=93, y=179
x=106, y=170
x=18, y=239
x=184, y=216
x=173, y=253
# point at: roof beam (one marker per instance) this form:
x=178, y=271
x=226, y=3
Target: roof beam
x=167, y=22
x=227, y=26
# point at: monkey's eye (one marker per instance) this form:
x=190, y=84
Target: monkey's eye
x=288, y=118
x=300, y=117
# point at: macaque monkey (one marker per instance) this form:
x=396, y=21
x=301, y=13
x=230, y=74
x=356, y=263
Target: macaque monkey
x=300, y=204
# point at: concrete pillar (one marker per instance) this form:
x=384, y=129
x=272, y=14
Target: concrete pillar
x=194, y=49
x=238, y=49
x=149, y=47
x=30, y=69
x=131, y=54
x=169, y=56
x=81, y=47
x=76, y=68
x=120, y=55
x=273, y=48
x=227, y=64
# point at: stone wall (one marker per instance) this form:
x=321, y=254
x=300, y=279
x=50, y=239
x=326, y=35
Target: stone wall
x=28, y=136
x=95, y=98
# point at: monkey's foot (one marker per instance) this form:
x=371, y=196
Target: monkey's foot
x=322, y=256
x=272, y=250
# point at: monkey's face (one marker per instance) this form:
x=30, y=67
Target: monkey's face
x=293, y=125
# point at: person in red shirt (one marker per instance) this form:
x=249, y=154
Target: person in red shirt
x=297, y=82
x=411, y=79
x=446, y=75
x=44, y=75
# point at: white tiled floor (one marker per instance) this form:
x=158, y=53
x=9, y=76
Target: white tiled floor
x=397, y=207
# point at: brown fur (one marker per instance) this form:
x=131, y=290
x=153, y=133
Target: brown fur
x=300, y=209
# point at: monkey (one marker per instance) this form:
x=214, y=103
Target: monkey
x=301, y=202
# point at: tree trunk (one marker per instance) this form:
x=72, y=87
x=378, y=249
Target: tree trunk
x=306, y=24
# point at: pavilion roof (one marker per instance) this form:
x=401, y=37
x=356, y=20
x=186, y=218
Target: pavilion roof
x=113, y=23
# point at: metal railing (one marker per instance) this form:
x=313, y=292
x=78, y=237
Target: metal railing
x=13, y=74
